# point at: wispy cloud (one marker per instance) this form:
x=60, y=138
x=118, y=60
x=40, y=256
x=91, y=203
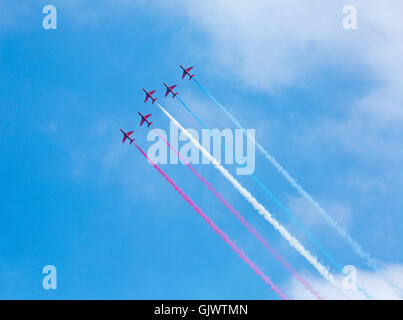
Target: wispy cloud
x=373, y=282
x=267, y=46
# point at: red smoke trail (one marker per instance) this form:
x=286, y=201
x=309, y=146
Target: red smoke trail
x=216, y=229
x=243, y=221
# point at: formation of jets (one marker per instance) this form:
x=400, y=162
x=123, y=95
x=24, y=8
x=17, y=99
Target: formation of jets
x=149, y=95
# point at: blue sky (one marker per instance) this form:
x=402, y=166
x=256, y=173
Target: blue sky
x=324, y=101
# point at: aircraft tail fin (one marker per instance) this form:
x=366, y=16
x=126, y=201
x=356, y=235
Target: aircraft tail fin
x=149, y=124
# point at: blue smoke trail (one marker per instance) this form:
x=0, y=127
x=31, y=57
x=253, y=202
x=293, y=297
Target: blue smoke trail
x=260, y=209
x=279, y=204
x=191, y=112
x=369, y=260
x=267, y=191
x=356, y=247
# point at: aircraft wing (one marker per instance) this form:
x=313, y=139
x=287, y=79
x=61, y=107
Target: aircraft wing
x=166, y=93
x=147, y=116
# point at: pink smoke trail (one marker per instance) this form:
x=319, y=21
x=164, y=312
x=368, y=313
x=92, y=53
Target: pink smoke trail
x=256, y=234
x=255, y=268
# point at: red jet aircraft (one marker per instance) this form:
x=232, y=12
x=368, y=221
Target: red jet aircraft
x=149, y=95
x=144, y=119
x=126, y=135
x=186, y=72
x=170, y=90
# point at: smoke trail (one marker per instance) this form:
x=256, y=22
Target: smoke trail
x=242, y=220
x=216, y=229
x=369, y=260
x=260, y=208
x=191, y=112
x=266, y=190
x=342, y=233
x=284, y=209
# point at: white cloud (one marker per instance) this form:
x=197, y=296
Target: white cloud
x=376, y=285
x=279, y=41
x=269, y=45
x=262, y=42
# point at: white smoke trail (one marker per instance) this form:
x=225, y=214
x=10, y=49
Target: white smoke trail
x=370, y=261
x=260, y=208
x=342, y=233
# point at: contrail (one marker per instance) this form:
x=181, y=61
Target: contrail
x=371, y=262
x=260, y=208
x=256, y=234
x=284, y=209
x=266, y=190
x=251, y=264
x=191, y=112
